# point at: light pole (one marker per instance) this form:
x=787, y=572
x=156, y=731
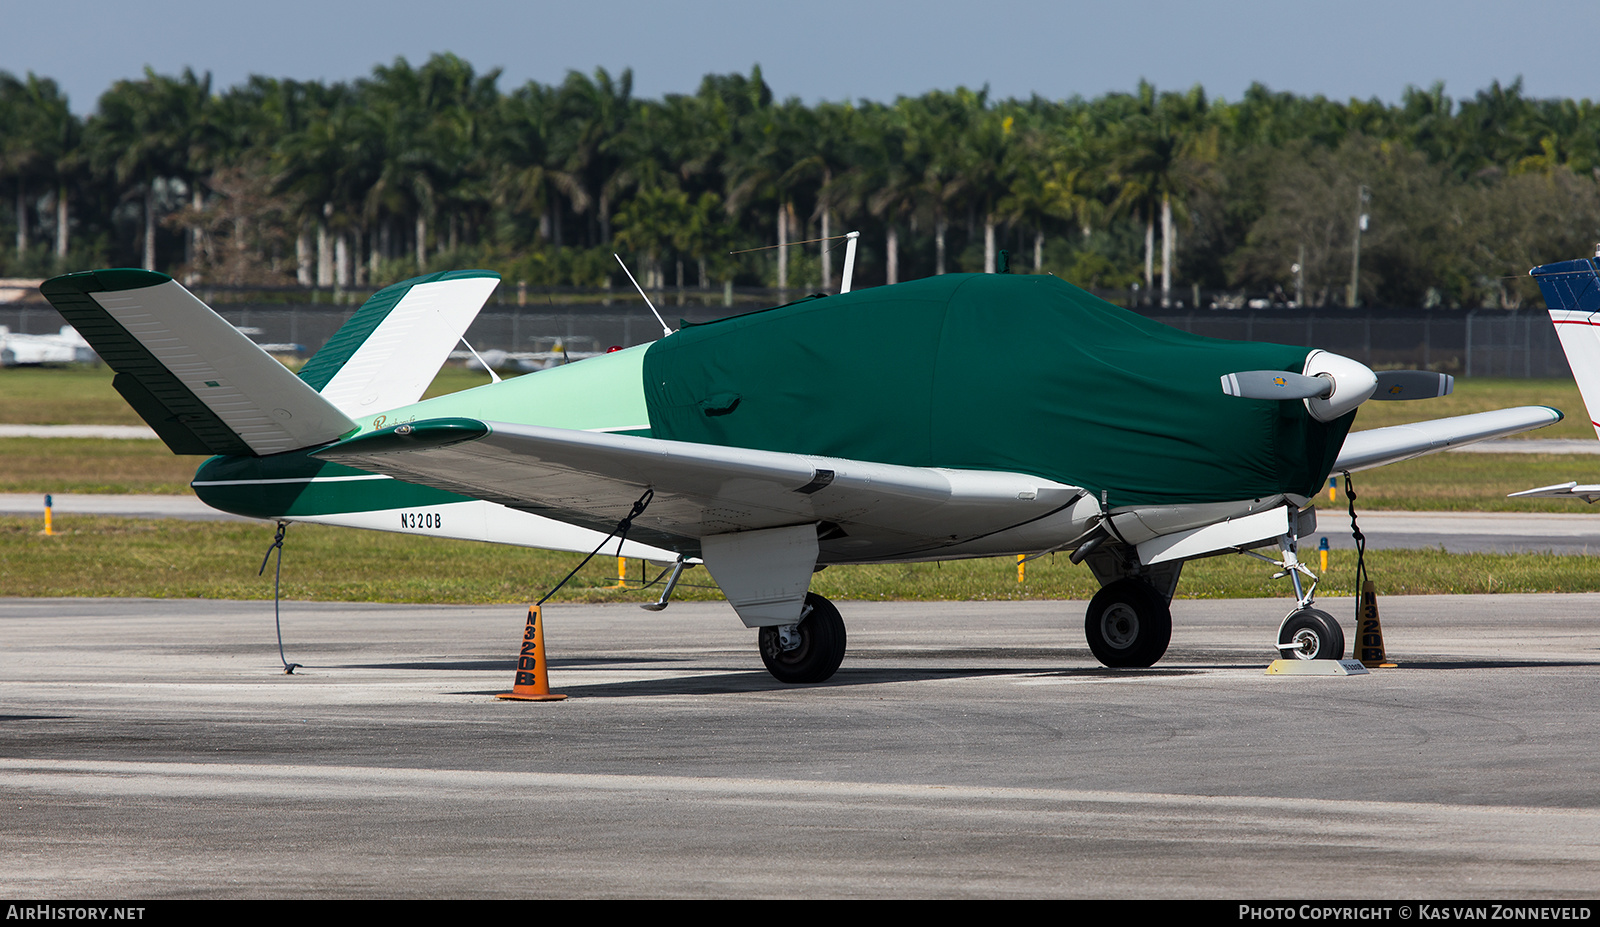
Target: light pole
x=1299, y=271
x=1352, y=294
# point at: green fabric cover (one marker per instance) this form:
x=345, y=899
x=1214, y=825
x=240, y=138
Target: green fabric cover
x=994, y=372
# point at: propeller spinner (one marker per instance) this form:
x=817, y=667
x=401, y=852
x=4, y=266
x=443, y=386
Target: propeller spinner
x=1332, y=384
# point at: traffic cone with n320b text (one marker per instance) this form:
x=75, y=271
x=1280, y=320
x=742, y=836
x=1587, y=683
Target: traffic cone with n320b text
x=533, y=676
x=1369, y=631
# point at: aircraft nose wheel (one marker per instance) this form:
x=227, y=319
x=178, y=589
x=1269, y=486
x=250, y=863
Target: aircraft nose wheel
x=1128, y=624
x=820, y=648
x=1311, y=634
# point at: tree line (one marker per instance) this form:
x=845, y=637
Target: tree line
x=1156, y=196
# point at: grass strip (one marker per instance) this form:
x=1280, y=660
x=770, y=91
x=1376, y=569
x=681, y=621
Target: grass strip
x=169, y=558
x=81, y=394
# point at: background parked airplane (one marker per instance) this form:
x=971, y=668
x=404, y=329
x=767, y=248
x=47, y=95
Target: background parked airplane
x=1572, y=292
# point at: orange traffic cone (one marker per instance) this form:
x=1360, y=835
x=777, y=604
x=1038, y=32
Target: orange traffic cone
x=1369, y=636
x=533, y=677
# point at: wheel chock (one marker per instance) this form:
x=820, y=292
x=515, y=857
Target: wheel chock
x=1369, y=634
x=533, y=677
x=1316, y=668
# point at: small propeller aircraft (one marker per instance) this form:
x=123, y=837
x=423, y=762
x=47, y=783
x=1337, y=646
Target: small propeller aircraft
x=1571, y=292
x=67, y=347
x=850, y=428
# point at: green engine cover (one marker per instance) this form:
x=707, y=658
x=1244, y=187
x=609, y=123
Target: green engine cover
x=994, y=372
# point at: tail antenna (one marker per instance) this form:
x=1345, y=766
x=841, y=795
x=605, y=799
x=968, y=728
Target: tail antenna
x=664, y=329
x=849, y=260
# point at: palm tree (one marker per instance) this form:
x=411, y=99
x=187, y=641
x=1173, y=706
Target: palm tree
x=1045, y=180
x=964, y=147
x=929, y=130
x=1162, y=155
x=707, y=236
x=41, y=147
x=590, y=117
x=768, y=163
x=652, y=222
x=1069, y=181
x=889, y=180
x=329, y=167
x=524, y=174
x=277, y=128
x=434, y=131
x=133, y=138
x=833, y=130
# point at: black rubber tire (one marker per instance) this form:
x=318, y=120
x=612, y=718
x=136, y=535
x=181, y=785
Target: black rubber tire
x=1128, y=624
x=821, y=650
x=1317, y=633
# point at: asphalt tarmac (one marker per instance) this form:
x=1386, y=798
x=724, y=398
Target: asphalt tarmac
x=154, y=749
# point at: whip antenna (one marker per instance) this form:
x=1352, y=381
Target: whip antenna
x=664, y=329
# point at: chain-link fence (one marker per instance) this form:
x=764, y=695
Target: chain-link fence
x=1484, y=343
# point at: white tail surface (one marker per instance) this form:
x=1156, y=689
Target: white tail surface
x=1580, y=339
x=194, y=378
x=393, y=347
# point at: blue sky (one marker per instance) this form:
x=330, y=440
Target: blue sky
x=830, y=49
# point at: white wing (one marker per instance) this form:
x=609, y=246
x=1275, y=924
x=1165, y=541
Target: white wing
x=1364, y=450
x=864, y=510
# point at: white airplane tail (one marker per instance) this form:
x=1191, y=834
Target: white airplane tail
x=205, y=388
x=385, y=356
x=201, y=384
x=1572, y=292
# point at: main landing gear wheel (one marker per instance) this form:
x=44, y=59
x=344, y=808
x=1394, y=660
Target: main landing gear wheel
x=1128, y=624
x=1311, y=634
x=820, y=649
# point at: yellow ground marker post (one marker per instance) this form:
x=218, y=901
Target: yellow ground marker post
x=1369, y=635
x=533, y=676
x=49, y=527
x=1322, y=549
x=1021, y=558
x=622, y=574
x=1333, y=485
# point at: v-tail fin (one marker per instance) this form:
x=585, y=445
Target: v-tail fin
x=201, y=384
x=1572, y=292
x=385, y=356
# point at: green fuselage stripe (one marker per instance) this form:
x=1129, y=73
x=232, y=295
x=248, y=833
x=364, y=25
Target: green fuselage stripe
x=603, y=393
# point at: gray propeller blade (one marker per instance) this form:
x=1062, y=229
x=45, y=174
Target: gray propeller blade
x=1275, y=384
x=1413, y=384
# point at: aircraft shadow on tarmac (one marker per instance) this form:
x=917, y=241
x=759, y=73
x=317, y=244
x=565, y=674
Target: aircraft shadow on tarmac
x=734, y=682
x=724, y=679
x=508, y=665
x=1434, y=664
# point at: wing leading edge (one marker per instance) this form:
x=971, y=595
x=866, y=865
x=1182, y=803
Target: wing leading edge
x=864, y=511
x=1364, y=450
